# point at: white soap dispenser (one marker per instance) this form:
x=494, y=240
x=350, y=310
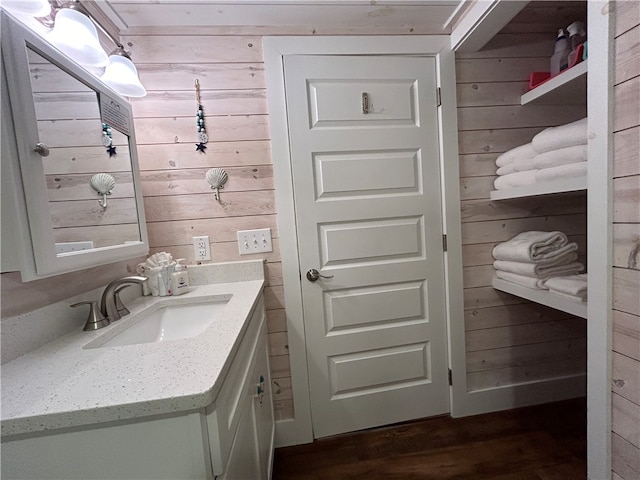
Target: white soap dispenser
x=179, y=278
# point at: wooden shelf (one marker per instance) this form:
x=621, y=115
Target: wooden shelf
x=566, y=88
x=548, y=188
x=544, y=297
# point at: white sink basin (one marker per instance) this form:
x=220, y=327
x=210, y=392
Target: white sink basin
x=169, y=322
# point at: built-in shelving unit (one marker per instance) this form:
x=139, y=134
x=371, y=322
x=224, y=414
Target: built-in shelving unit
x=559, y=186
x=568, y=88
x=544, y=297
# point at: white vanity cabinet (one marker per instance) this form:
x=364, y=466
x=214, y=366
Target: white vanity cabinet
x=232, y=438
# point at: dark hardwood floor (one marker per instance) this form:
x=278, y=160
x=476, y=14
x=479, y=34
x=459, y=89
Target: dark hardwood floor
x=546, y=442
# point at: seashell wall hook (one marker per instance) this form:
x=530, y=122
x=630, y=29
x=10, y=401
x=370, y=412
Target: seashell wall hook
x=216, y=177
x=103, y=183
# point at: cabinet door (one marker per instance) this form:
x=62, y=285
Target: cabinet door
x=244, y=460
x=263, y=409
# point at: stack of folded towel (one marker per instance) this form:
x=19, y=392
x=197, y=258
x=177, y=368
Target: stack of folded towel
x=553, y=154
x=572, y=287
x=532, y=258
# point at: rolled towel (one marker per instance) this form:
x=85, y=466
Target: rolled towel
x=562, y=136
x=562, y=156
x=521, y=152
x=514, y=180
x=563, y=172
x=535, y=247
x=529, y=282
x=574, y=285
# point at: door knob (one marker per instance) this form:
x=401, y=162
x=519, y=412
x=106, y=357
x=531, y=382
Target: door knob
x=42, y=150
x=313, y=275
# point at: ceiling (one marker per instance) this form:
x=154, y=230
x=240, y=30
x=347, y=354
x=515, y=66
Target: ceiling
x=321, y=16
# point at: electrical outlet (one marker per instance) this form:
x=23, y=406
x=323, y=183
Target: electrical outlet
x=201, y=248
x=254, y=241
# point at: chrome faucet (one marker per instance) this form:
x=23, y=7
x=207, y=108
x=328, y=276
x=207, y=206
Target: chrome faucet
x=108, y=305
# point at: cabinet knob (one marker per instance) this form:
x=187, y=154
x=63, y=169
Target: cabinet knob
x=41, y=149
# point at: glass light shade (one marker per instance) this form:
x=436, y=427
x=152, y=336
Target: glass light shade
x=122, y=76
x=75, y=35
x=35, y=8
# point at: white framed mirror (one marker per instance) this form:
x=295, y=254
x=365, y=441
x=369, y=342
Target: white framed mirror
x=76, y=163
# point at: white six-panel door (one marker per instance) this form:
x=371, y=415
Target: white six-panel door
x=368, y=212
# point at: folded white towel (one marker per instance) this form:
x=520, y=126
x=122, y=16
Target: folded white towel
x=568, y=135
x=521, y=152
x=575, y=285
x=541, y=271
x=535, y=247
x=575, y=298
x=520, y=165
x=562, y=156
x=563, y=172
x=514, y=180
x=530, y=282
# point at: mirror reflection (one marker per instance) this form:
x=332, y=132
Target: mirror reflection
x=81, y=146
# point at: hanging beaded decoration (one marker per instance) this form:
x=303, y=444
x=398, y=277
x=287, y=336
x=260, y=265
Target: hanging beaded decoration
x=107, y=141
x=203, y=138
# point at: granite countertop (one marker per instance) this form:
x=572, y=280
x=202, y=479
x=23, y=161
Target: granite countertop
x=62, y=384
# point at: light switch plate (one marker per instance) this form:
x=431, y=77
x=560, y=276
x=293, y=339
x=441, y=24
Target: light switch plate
x=254, y=241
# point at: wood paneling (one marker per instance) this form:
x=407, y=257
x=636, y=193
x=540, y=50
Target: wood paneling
x=625, y=416
x=626, y=199
x=627, y=99
x=626, y=285
x=627, y=146
x=626, y=247
x=508, y=339
x=626, y=334
x=625, y=458
x=180, y=156
x=194, y=49
x=625, y=378
x=627, y=54
x=181, y=76
x=219, y=129
x=627, y=16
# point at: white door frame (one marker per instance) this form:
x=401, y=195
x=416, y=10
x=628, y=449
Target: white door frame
x=299, y=429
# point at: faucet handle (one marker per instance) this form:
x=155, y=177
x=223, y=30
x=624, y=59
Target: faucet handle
x=120, y=307
x=95, y=320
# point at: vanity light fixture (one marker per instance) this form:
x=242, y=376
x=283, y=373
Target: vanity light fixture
x=121, y=74
x=75, y=35
x=35, y=8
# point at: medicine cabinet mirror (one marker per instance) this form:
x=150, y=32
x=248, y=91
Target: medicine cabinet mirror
x=76, y=174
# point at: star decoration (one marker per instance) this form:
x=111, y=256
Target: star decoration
x=111, y=150
x=201, y=147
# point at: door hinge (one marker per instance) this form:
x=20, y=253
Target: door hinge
x=439, y=96
x=444, y=242
x=450, y=377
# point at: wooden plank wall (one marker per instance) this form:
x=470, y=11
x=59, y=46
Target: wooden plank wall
x=626, y=233
x=179, y=203
x=508, y=339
